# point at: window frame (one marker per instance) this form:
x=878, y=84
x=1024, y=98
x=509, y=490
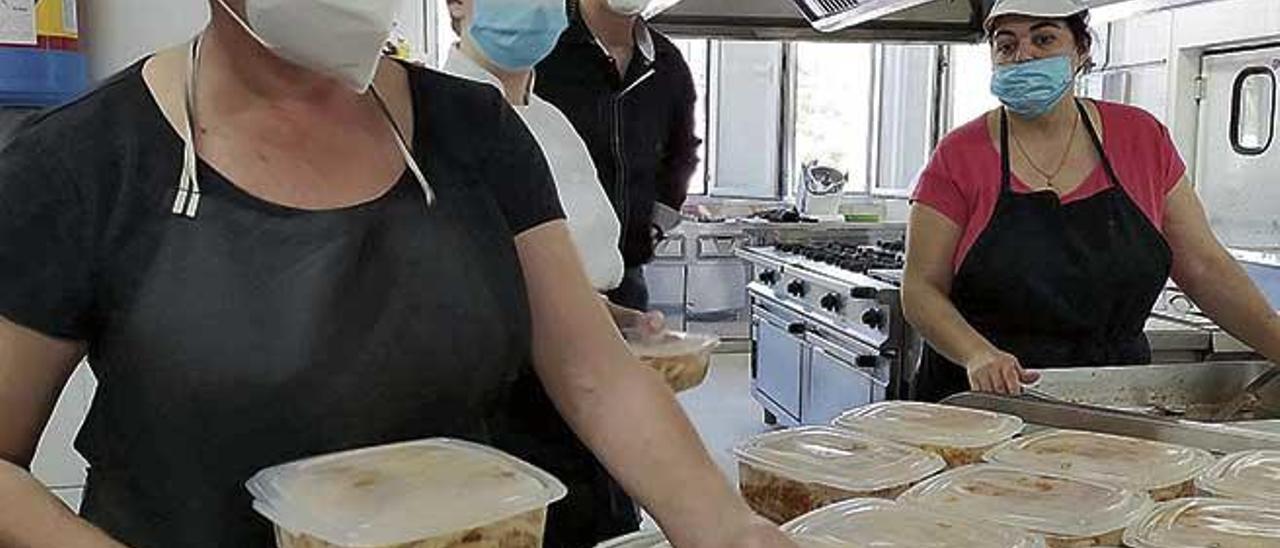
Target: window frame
x=791, y=169
x=938, y=106
x=709, y=113
x=1236, y=99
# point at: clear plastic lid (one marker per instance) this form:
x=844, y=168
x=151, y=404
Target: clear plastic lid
x=879, y=523
x=640, y=539
x=930, y=424
x=802, y=542
x=400, y=493
x=839, y=458
x=1042, y=503
x=1200, y=523
x=1249, y=475
x=671, y=345
x=1138, y=463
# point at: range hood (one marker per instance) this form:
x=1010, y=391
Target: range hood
x=845, y=20
x=827, y=20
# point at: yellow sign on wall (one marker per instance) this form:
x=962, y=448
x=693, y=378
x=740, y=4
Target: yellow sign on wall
x=57, y=18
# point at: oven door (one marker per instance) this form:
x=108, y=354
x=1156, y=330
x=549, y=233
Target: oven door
x=778, y=360
x=843, y=374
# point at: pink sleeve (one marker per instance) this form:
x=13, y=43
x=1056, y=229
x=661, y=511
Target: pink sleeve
x=1171, y=167
x=938, y=189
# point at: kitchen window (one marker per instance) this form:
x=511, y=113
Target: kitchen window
x=831, y=102
x=1253, y=110
x=697, y=53
x=907, y=99
x=746, y=122
x=970, y=67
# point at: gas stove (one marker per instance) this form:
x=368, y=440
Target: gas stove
x=828, y=330
x=851, y=257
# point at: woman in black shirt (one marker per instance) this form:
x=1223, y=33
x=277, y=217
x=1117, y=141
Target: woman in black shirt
x=321, y=270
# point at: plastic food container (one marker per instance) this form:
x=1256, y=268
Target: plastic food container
x=960, y=436
x=640, y=539
x=784, y=475
x=878, y=523
x=1211, y=523
x=426, y=494
x=1164, y=471
x=1068, y=512
x=683, y=359
x=1253, y=475
x=803, y=542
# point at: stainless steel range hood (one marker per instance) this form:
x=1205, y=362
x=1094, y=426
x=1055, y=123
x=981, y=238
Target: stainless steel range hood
x=828, y=20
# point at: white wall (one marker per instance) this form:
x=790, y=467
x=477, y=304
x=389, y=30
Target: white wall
x=119, y=32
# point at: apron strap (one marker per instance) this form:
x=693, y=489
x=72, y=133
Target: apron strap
x=1097, y=144
x=1006, y=168
x=187, y=202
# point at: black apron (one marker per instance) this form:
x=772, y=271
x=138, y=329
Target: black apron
x=1057, y=285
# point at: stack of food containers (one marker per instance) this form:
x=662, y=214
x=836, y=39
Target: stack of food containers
x=427, y=494
x=786, y=474
x=1164, y=471
x=877, y=523
x=1206, y=523
x=1251, y=475
x=1068, y=512
x=960, y=436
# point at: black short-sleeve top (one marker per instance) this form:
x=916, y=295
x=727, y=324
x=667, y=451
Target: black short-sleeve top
x=256, y=334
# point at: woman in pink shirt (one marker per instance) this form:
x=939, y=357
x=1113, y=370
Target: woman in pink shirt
x=1043, y=232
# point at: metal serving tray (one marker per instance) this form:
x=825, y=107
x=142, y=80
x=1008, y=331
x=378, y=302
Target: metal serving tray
x=1156, y=402
x=1190, y=390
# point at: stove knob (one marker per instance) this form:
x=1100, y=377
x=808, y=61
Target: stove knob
x=769, y=277
x=874, y=318
x=869, y=293
x=831, y=302
x=867, y=362
x=797, y=329
x=797, y=288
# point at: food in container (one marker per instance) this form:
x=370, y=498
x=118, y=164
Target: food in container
x=878, y=523
x=639, y=539
x=1068, y=512
x=1211, y=523
x=1163, y=470
x=786, y=474
x=683, y=359
x=1249, y=475
x=437, y=493
x=960, y=436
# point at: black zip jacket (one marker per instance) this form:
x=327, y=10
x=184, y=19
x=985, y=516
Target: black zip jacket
x=638, y=127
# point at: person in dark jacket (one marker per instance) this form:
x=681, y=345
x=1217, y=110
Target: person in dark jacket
x=630, y=94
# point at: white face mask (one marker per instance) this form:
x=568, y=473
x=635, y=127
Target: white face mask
x=627, y=7
x=342, y=39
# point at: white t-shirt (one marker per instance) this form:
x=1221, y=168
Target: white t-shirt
x=593, y=224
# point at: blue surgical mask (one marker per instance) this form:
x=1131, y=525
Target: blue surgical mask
x=1033, y=88
x=517, y=34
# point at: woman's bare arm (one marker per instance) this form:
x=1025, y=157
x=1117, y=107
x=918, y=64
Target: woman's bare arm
x=33, y=371
x=622, y=410
x=1207, y=272
x=926, y=301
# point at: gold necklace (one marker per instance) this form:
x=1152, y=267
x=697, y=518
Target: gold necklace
x=1049, y=177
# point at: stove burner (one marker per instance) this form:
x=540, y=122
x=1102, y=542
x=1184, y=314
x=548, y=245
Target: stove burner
x=851, y=257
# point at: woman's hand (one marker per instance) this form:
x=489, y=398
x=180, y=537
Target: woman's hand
x=999, y=372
